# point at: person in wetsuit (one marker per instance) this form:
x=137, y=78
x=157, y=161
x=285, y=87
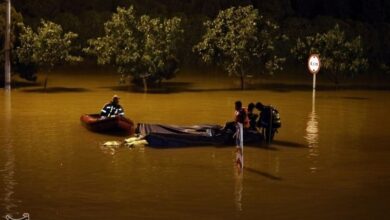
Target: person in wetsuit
x=268, y=122
x=252, y=116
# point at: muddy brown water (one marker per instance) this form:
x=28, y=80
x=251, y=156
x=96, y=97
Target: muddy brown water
x=330, y=159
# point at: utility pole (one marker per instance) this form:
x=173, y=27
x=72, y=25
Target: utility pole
x=7, y=47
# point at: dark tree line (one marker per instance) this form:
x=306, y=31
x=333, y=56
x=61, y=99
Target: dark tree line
x=297, y=18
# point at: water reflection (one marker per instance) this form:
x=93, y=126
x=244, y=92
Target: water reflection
x=110, y=147
x=312, y=136
x=8, y=168
x=238, y=188
x=239, y=167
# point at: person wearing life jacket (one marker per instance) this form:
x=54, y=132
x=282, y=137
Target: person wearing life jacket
x=241, y=114
x=268, y=122
x=230, y=128
x=112, y=109
x=241, y=121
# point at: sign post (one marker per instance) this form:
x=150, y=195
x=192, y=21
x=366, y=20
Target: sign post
x=314, y=66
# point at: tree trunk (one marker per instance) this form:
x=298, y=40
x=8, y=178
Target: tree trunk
x=46, y=80
x=145, y=84
x=242, y=82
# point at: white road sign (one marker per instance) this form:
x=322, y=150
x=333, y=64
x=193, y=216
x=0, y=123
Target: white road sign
x=314, y=63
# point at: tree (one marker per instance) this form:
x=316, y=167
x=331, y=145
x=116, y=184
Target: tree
x=142, y=48
x=16, y=17
x=47, y=48
x=239, y=38
x=339, y=57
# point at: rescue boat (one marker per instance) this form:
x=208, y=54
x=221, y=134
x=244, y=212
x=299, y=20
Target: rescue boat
x=112, y=125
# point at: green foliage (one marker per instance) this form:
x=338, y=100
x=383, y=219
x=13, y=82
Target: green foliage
x=142, y=48
x=239, y=38
x=48, y=47
x=24, y=71
x=339, y=57
x=16, y=17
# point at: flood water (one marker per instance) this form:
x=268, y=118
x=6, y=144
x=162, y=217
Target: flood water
x=330, y=159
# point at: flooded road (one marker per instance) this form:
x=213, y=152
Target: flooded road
x=330, y=159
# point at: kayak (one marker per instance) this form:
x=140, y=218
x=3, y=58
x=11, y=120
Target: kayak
x=114, y=125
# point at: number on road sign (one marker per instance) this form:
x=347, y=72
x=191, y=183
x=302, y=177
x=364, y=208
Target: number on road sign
x=314, y=63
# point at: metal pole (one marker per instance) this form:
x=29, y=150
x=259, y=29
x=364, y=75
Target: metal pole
x=240, y=146
x=7, y=47
x=314, y=81
x=313, y=101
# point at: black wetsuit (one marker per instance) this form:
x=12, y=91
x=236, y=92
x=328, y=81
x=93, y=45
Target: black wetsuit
x=252, y=120
x=266, y=121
